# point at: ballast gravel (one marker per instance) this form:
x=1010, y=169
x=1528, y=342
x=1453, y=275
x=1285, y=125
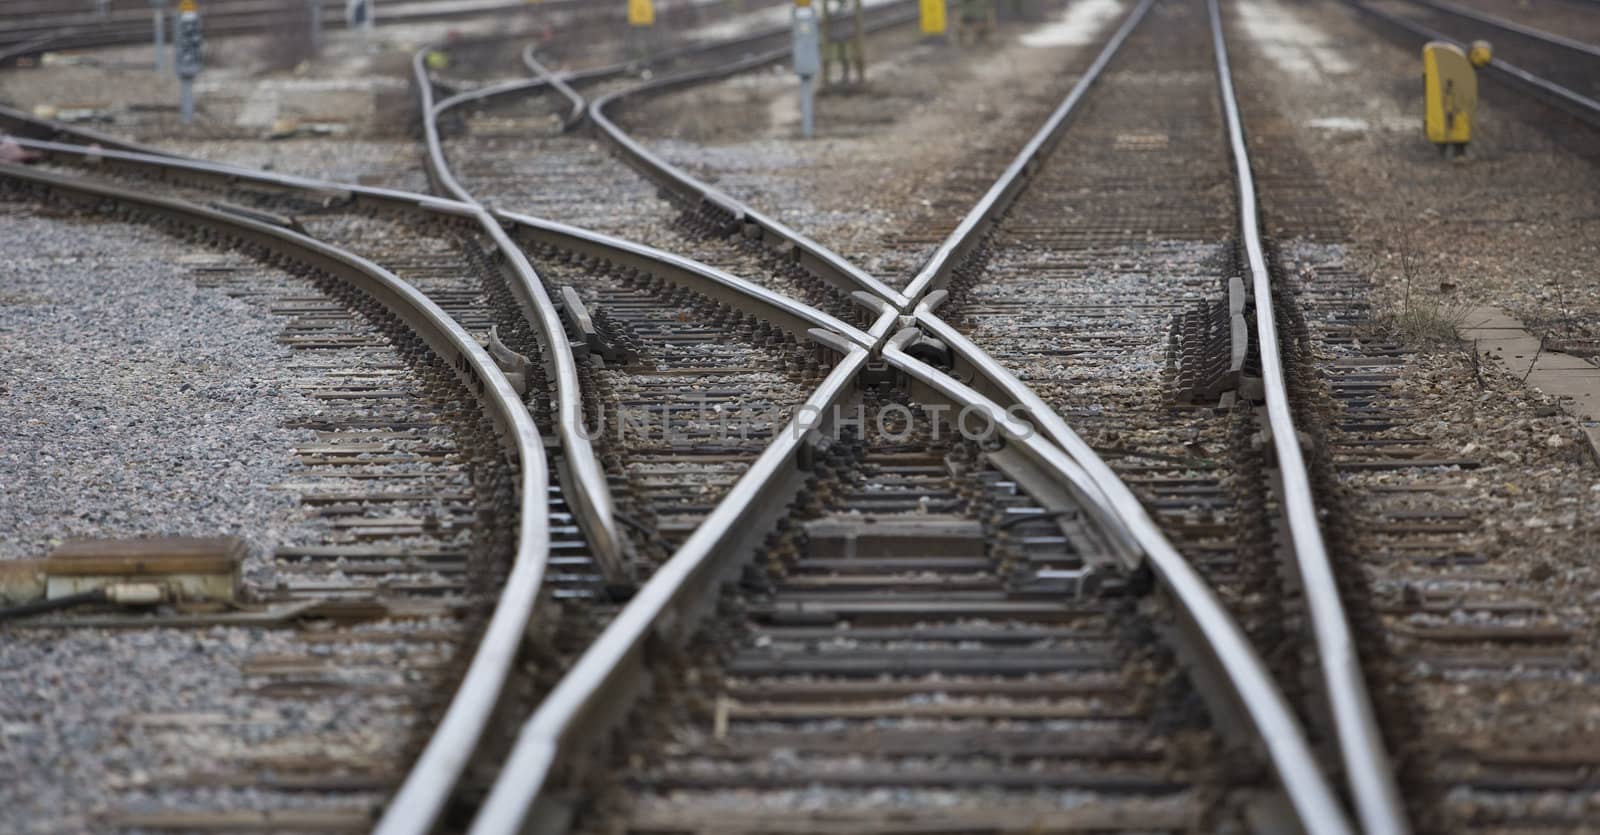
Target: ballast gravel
x=132, y=404
x=131, y=398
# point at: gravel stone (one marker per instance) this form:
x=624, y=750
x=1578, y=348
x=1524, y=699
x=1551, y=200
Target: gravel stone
x=133, y=399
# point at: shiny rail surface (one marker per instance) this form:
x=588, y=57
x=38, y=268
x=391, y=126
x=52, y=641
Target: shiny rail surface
x=1367, y=768
x=437, y=770
x=599, y=688
x=1551, y=38
x=1366, y=763
x=465, y=720
x=1585, y=107
x=1293, y=761
x=768, y=482
x=41, y=33
x=813, y=256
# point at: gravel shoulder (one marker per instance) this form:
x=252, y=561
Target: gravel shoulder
x=137, y=403
x=1516, y=224
x=134, y=400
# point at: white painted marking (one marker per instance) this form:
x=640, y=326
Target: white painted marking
x=1295, y=46
x=1347, y=123
x=1079, y=25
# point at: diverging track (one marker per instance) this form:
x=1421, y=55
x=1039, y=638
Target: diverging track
x=988, y=583
x=1057, y=471
x=381, y=453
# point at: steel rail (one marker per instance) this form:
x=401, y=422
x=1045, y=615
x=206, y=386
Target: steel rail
x=439, y=174
x=465, y=719
x=1263, y=705
x=822, y=261
x=1551, y=38
x=761, y=492
x=1011, y=183
x=28, y=126
x=813, y=256
x=562, y=82
x=542, y=76
x=596, y=691
x=1230, y=653
x=558, y=724
x=1583, y=106
x=1366, y=762
x=559, y=83
x=136, y=27
x=590, y=495
x=427, y=787
x=1367, y=769
x=796, y=317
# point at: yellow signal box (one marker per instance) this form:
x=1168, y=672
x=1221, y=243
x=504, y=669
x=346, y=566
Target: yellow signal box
x=1450, y=92
x=641, y=13
x=933, y=17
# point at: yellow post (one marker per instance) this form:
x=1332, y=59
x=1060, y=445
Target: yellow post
x=933, y=22
x=1450, y=93
x=641, y=13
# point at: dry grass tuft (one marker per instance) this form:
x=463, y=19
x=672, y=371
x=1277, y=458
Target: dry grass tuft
x=1429, y=312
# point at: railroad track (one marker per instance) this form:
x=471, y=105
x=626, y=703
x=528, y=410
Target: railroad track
x=417, y=446
x=1559, y=68
x=495, y=62
x=568, y=722
x=526, y=162
x=1470, y=655
x=780, y=660
x=672, y=383
x=29, y=29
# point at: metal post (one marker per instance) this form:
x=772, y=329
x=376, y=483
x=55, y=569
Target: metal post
x=189, y=44
x=359, y=14
x=314, y=11
x=807, y=43
x=159, y=8
x=807, y=117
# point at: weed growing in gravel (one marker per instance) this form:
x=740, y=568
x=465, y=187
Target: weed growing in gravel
x=1423, y=318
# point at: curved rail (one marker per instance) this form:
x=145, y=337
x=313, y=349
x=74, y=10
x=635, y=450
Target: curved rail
x=1367, y=766
x=1302, y=781
x=1584, y=106
x=746, y=296
x=1015, y=178
x=590, y=499
x=1367, y=769
x=1230, y=652
x=423, y=794
x=597, y=690
x=600, y=686
x=464, y=721
x=591, y=493
x=542, y=76
x=541, y=73
x=28, y=126
x=422, y=803
x=820, y=260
